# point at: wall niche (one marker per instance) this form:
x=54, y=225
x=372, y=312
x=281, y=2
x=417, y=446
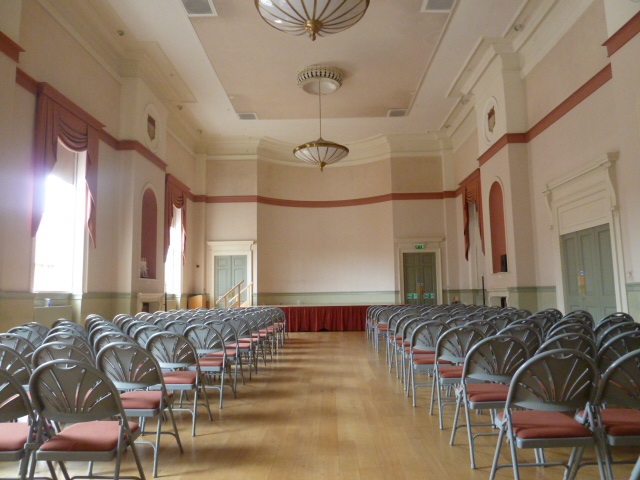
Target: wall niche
x=149, y=233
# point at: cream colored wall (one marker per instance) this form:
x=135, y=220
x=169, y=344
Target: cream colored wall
x=231, y=177
x=294, y=182
x=52, y=55
x=410, y=175
x=619, y=13
x=343, y=249
x=465, y=157
x=575, y=59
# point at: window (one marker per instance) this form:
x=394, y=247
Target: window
x=60, y=241
x=173, y=264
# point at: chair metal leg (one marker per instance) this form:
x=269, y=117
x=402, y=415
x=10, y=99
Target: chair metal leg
x=496, y=456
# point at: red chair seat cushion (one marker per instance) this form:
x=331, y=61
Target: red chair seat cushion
x=13, y=436
x=383, y=327
x=487, y=392
x=229, y=352
x=532, y=424
x=180, y=377
x=142, y=400
x=98, y=436
x=211, y=362
x=621, y=421
x=450, y=371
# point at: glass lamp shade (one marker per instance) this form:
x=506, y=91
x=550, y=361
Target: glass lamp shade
x=315, y=17
x=321, y=152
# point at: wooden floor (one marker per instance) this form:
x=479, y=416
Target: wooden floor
x=325, y=408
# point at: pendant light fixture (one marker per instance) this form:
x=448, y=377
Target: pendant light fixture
x=318, y=18
x=323, y=81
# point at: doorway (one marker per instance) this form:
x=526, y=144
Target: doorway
x=229, y=270
x=420, y=278
x=587, y=271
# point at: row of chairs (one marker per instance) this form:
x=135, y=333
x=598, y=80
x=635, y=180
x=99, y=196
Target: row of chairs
x=476, y=359
x=140, y=371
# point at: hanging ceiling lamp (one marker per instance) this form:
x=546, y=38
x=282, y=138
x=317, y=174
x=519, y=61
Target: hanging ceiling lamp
x=316, y=17
x=320, y=80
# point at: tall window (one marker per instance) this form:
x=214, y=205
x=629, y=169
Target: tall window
x=59, y=243
x=173, y=264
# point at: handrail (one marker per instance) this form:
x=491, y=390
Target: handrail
x=233, y=298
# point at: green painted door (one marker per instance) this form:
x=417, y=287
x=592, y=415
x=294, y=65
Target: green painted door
x=229, y=271
x=588, y=271
x=420, y=281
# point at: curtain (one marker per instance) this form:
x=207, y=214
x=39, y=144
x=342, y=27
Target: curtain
x=54, y=121
x=175, y=196
x=472, y=195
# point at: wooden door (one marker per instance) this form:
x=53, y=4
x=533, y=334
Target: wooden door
x=229, y=271
x=588, y=271
x=420, y=278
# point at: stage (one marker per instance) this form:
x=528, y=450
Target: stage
x=336, y=318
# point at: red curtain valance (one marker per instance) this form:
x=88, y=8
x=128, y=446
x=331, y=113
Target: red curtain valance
x=175, y=196
x=472, y=194
x=57, y=120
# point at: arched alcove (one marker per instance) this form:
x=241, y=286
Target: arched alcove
x=148, y=234
x=498, y=229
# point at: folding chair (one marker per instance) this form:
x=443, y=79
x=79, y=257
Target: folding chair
x=17, y=439
x=617, y=407
x=181, y=370
x=544, y=394
x=135, y=371
x=487, y=372
x=86, y=401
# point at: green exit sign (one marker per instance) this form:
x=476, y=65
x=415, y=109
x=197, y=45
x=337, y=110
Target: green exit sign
x=419, y=246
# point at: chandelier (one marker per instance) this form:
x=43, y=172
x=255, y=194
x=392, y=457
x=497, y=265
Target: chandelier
x=320, y=80
x=315, y=17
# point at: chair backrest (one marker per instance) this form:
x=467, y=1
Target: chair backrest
x=569, y=327
x=71, y=339
x=581, y=316
x=554, y=312
x=426, y=334
x=495, y=359
x=13, y=398
x=561, y=380
x=28, y=333
x=529, y=334
x=488, y=327
x=615, y=330
x=50, y=351
x=454, y=344
x=458, y=321
x=129, y=366
x=620, y=385
x=226, y=330
x=501, y=320
x=110, y=337
x=573, y=341
x=177, y=326
x=67, y=326
x=611, y=320
x=616, y=348
x=544, y=320
x=172, y=351
x=39, y=327
x=143, y=334
x=21, y=345
x=69, y=391
x=204, y=338
x=99, y=329
x=14, y=364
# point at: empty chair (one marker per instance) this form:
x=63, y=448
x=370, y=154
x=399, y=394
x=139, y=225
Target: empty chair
x=501, y=320
x=15, y=365
x=83, y=399
x=488, y=369
x=28, y=333
x=581, y=316
x=48, y=352
x=570, y=327
x=133, y=369
x=422, y=347
x=71, y=339
x=487, y=327
x=573, y=341
x=179, y=360
x=610, y=320
x=452, y=347
x=617, y=406
x=109, y=336
x=615, y=330
x=21, y=345
x=213, y=360
x=142, y=334
x=616, y=348
x=38, y=327
x=544, y=320
x=529, y=334
x=542, y=392
x=17, y=439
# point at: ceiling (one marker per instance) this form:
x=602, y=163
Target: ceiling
x=210, y=69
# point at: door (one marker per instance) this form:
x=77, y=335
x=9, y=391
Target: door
x=588, y=271
x=420, y=281
x=229, y=270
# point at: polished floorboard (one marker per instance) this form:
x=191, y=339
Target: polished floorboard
x=326, y=407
